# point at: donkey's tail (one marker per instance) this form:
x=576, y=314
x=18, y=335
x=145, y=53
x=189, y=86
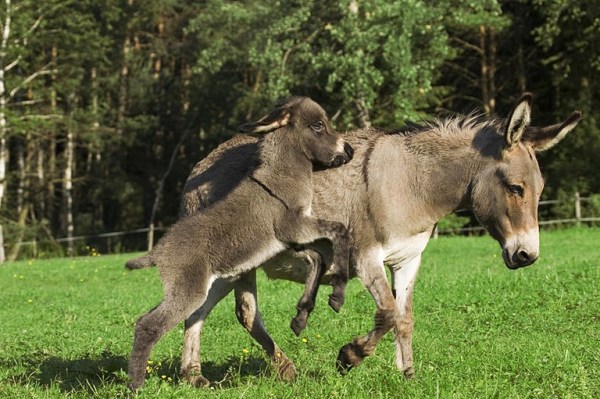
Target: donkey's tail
x=139, y=263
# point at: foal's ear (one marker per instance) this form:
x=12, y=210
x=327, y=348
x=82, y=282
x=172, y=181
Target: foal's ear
x=543, y=138
x=518, y=120
x=273, y=120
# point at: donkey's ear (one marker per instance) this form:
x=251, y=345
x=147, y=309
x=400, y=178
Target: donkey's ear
x=543, y=138
x=273, y=120
x=518, y=120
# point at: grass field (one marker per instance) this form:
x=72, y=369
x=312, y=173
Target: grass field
x=482, y=331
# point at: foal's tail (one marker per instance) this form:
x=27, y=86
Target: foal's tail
x=139, y=263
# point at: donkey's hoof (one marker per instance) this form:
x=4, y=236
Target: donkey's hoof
x=336, y=302
x=298, y=325
x=409, y=373
x=348, y=358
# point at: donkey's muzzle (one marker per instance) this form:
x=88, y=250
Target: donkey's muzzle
x=340, y=159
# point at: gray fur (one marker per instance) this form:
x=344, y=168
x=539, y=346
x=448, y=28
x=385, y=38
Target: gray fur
x=391, y=195
x=266, y=212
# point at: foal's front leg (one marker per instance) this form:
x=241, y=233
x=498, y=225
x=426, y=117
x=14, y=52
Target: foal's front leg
x=316, y=269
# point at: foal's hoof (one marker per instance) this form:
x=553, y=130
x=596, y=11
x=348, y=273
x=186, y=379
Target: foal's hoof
x=350, y=356
x=336, y=302
x=133, y=387
x=194, y=377
x=286, y=371
x=197, y=380
x=298, y=325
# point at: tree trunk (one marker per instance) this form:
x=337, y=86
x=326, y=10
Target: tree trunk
x=364, y=119
x=160, y=188
x=485, y=95
x=68, y=188
x=14, y=251
x=521, y=76
x=3, y=101
x=492, y=40
x=488, y=45
x=124, y=76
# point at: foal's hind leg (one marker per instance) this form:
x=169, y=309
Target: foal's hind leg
x=306, y=304
x=190, y=358
x=179, y=303
x=246, y=310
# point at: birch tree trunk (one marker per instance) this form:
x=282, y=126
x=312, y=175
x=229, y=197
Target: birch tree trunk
x=68, y=188
x=3, y=100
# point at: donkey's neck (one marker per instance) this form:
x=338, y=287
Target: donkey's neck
x=284, y=170
x=447, y=163
x=420, y=179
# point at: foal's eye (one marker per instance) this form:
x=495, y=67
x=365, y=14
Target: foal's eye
x=318, y=126
x=516, y=189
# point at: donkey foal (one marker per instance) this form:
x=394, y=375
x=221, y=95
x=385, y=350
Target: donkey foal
x=267, y=213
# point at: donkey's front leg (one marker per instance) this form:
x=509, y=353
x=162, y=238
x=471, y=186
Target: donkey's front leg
x=372, y=274
x=246, y=310
x=404, y=275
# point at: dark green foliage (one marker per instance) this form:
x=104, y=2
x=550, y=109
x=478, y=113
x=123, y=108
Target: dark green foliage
x=132, y=78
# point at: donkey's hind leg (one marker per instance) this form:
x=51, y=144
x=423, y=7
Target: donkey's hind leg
x=306, y=304
x=178, y=304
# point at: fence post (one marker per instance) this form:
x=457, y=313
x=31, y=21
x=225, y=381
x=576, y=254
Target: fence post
x=577, y=208
x=150, y=237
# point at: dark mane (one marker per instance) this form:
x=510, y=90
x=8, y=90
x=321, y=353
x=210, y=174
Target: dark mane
x=473, y=120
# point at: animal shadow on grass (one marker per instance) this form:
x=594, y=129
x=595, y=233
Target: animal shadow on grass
x=81, y=374
x=88, y=374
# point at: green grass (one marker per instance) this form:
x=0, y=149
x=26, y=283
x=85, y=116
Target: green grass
x=482, y=331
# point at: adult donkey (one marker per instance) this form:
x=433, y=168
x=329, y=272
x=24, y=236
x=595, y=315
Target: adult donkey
x=391, y=195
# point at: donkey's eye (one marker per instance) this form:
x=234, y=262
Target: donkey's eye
x=317, y=126
x=515, y=189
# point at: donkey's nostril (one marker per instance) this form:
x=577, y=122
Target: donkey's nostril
x=524, y=258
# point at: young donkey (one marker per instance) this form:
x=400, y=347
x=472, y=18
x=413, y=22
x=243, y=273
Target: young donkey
x=265, y=214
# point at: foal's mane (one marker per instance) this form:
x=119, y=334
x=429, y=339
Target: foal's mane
x=473, y=121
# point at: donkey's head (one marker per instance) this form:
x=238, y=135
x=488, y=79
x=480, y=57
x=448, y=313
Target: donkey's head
x=308, y=128
x=506, y=193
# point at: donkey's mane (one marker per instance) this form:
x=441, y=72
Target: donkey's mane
x=473, y=121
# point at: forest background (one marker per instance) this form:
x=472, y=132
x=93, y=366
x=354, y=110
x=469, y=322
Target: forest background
x=106, y=105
